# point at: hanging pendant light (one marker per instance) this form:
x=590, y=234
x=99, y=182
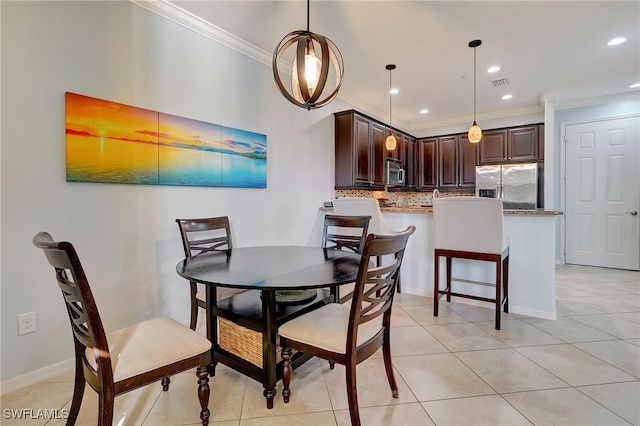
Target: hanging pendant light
x=310, y=73
x=390, y=142
x=475, y=132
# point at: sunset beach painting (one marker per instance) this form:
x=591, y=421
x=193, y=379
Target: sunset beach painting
x=111, y=142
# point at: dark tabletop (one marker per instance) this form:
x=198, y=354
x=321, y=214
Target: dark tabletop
x=272, y=267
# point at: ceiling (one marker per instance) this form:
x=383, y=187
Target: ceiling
x=547, y=50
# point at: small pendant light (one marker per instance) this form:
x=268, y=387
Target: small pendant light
x=475, y=132
x=390, y=143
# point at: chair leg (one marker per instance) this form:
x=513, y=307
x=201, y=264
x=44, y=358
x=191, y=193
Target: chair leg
x=448, y=279
x=498, y=293
x=286, y=374
x=203, y=393
x=165, y=383
x=78, y=392
x=505, y=279
x=352, y=393
x=436, y=285
x=388, y=366
x=194, y=306
x=105, y=407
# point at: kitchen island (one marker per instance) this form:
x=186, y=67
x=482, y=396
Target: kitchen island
x=531, y=235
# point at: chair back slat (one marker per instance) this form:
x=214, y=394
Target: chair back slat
x=84, y=318
x=376, y=285
x=205, y=234
x=345, y=232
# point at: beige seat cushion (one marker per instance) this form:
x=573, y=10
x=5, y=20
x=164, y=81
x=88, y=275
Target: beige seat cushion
x=326, y=328
x=149, y=345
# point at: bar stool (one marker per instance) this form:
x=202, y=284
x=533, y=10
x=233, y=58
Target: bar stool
x=361, y=206
x=471, y=228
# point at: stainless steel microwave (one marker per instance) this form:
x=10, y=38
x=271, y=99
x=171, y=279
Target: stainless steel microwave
x=395, y=173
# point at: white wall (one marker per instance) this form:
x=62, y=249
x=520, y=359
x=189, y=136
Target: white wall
x=125, y=234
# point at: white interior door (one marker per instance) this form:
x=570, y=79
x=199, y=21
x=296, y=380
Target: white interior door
x=603, y=193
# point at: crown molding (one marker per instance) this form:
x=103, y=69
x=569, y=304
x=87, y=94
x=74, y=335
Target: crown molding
x=586, y=102
x=188, y=20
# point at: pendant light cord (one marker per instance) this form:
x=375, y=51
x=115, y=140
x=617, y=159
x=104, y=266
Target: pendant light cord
x=308, y=3
x=390, y=123
x=474, y=85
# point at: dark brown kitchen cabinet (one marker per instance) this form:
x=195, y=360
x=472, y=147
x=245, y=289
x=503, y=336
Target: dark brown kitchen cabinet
x=427, y=163
x=512, y=145
x=522, y=144
x=447, y=158
x=359, y=151
x=467, y=162
x=493, y=147
x=410, y=162
x=541, y=142
x=457, y=160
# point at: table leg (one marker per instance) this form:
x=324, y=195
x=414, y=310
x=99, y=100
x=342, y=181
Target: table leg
x=269, y=345
x=212, y=325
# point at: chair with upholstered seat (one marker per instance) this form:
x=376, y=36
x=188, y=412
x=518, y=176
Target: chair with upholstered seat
x=129, y=358
x=471, y=228
x=202, y=235
x=348, y=334
x=345, y=233
x=363, y=206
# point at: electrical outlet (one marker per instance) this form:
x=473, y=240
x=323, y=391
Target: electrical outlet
x=26, y=323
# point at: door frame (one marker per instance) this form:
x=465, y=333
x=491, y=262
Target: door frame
x=563, y=173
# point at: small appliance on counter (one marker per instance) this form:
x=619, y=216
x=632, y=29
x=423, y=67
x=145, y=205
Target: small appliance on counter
x=518, y=185
x=395, y=173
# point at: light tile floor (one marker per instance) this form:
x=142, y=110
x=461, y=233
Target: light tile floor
x=583, y=369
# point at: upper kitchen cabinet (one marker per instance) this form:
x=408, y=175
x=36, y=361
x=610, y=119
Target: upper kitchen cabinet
x=359, y=151
x=523, y=144
x=457, y=160
x=541, y=142
x=427, y=164
x=493, y=147
x=512, y=145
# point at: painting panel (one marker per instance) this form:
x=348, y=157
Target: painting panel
x=110, y=142
x=244, y=159
x=190, y=152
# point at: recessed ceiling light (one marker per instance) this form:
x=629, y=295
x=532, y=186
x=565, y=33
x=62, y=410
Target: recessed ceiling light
x=394, y=91
x=634, y=86
x=494, y=68
x=505, y=97
x=424, y=111
x=616, y=41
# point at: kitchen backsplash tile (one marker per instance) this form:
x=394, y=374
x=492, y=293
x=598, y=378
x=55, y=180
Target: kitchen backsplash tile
x=397, y=198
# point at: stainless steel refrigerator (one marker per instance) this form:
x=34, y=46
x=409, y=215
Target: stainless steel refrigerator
x=518, y=185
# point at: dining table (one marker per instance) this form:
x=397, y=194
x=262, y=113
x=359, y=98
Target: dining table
x=281, y=283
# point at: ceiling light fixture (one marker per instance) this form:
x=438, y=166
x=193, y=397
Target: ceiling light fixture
x=390, y=142
x=616, y=41
x=475, y=132
x=494, y=68
x=505, y=97
x=424, y=111
x=309, y=73
x=634, y=86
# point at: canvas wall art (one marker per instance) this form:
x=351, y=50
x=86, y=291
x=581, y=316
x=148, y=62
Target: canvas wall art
x=111, y=142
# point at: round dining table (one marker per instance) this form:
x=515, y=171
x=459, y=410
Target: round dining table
x=265, y=271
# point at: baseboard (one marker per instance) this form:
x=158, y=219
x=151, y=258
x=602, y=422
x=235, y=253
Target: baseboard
x=532, y=313
x=37, y=376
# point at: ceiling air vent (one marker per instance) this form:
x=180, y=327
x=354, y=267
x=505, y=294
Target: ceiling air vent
x=500, y=82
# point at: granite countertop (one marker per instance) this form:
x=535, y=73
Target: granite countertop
x=429, y=209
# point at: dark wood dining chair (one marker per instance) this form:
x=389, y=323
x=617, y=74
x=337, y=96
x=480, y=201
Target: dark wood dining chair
x=126, y=359
x=471, y=228
x=348, y=334
x=198, y=236
x=345, y=233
